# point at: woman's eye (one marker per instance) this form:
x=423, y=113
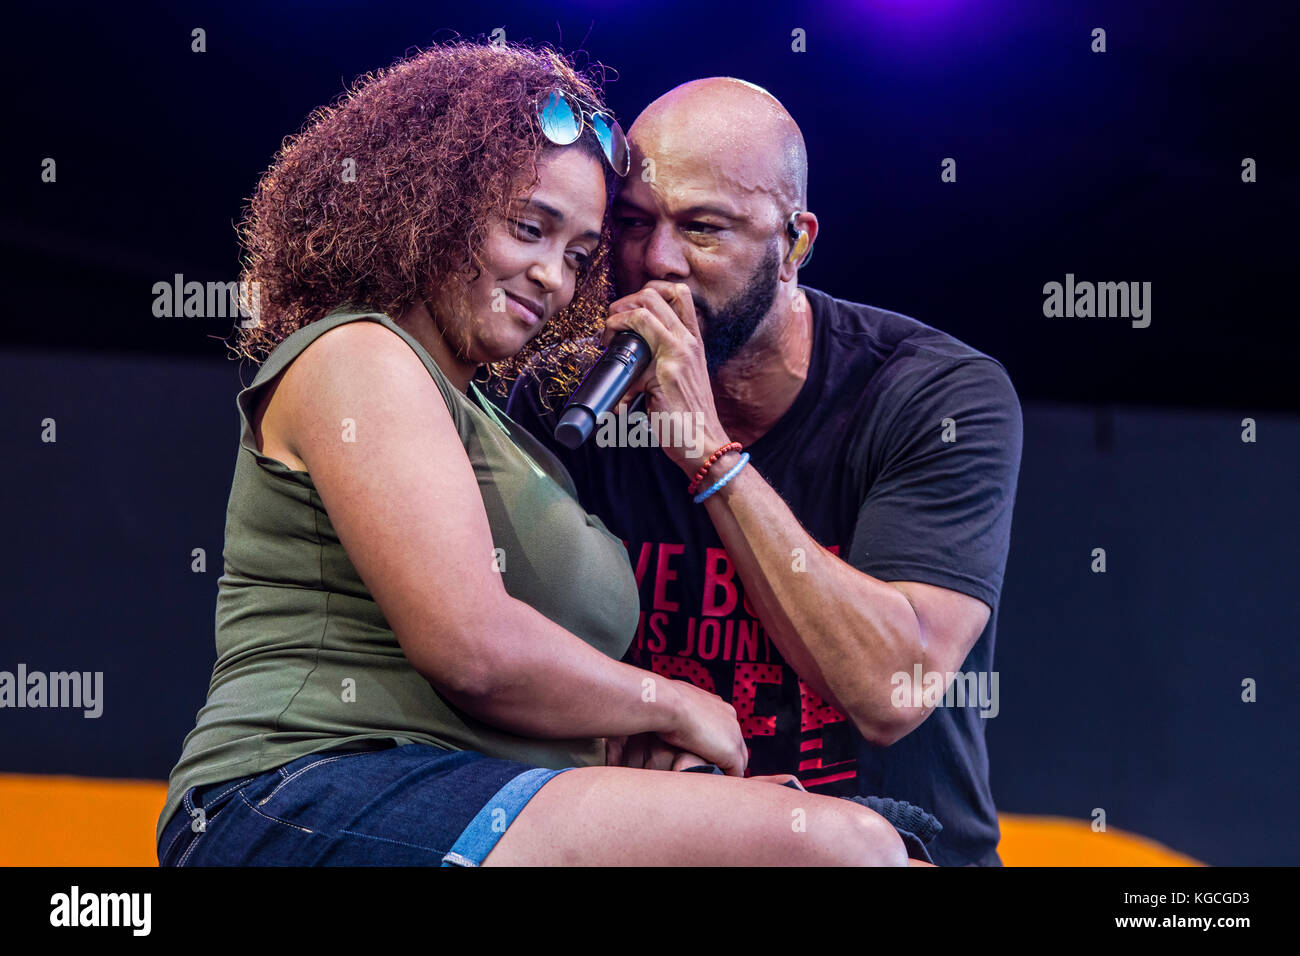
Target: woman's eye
x=527, y=229
x=580, y=259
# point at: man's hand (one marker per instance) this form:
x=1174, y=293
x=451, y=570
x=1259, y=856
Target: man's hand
x=648, y=752
x=677, y=378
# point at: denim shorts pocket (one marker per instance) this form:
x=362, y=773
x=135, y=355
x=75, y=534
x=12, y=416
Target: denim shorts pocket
x=308, y=793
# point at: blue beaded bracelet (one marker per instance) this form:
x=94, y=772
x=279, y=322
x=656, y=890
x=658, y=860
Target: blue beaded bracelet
x=744, y=460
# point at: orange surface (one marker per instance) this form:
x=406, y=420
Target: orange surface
x=78, y=821
x=82, y=821
x=1060, y=841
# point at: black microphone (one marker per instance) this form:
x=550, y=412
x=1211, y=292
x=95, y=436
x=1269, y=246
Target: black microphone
x=602, y=388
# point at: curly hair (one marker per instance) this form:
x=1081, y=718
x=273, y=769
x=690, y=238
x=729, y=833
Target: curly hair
x=435, y=146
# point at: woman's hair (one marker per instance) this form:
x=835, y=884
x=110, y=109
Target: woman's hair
x=385, y=198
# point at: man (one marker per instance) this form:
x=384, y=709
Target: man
x=833, y=586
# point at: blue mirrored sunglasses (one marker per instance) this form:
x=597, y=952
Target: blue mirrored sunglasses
x=562, y=115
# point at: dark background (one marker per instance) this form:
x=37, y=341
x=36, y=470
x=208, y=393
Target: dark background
x=1119, y=691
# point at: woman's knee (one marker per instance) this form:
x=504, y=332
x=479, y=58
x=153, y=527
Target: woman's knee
x=858, y=836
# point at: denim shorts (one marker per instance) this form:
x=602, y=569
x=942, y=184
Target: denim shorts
x=379, y=805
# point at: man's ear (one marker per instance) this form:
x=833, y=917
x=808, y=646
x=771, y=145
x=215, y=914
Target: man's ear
x=801, y=233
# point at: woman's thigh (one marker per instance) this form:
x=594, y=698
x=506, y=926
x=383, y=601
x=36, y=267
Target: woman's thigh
x=412, y=805
x=610, y=816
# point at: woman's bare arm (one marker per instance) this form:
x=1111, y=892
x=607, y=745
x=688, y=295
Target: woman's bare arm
x=405, y=503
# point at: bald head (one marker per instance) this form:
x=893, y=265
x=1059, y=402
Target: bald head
x=738, y=131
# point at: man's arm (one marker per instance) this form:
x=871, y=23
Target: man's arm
x=843, y=631
x=937, y=513
x=847, y=632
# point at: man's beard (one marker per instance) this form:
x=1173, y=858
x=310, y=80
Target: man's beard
x=726, y=330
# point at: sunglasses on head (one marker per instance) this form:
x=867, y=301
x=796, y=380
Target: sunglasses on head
x=562, y=116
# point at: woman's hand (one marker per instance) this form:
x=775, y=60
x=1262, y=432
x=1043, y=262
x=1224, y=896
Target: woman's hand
x=705, y=726
x=676, y=381
x=704, y=730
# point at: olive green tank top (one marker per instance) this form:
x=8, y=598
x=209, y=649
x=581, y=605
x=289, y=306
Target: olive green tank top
x=306, y=660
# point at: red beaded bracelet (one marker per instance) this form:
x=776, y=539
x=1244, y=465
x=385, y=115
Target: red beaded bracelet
x=694, y=486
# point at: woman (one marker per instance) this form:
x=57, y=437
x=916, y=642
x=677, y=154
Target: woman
x=418, y=627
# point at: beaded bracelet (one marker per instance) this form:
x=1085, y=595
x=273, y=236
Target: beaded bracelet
x=744, y=460
x=694, y=486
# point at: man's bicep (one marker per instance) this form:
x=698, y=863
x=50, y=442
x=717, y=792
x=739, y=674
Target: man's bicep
x=938, y=510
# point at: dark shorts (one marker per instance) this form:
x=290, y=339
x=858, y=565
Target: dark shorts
x=385, y=805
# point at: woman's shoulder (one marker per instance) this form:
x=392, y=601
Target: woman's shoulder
x=342, y=354
x=356, y=340
x=340, y=325
x=353, y=339
x=348, y=352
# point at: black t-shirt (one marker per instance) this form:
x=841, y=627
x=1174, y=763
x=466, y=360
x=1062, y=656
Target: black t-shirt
x=862, y=461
